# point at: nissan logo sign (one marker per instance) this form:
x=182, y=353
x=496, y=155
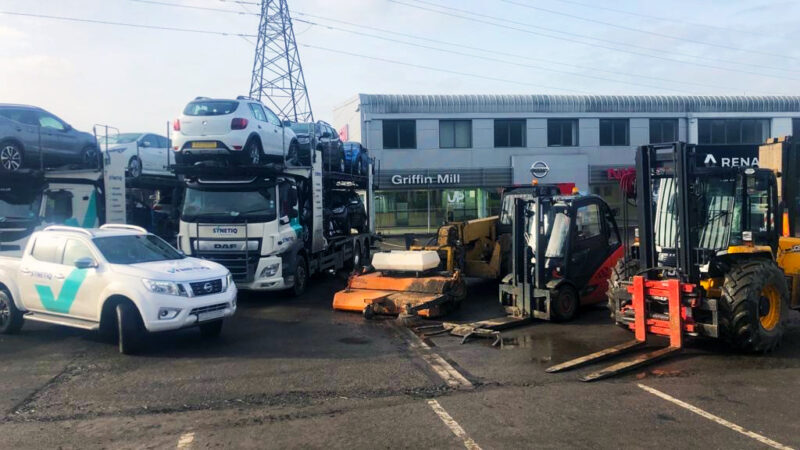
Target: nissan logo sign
x=540, y=169
x=208, y=287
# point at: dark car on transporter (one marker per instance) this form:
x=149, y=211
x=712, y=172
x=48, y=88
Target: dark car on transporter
x=319, y=136
x=32, y=137
x=345, y=212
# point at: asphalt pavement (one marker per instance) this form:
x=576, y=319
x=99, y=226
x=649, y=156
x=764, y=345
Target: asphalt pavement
x=292, y=373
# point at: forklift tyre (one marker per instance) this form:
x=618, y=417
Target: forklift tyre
x=618, y=295
x=754, y=306
x=564, y=303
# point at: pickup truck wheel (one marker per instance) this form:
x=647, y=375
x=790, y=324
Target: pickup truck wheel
x=211, y=329
x=135, y=167
x=10, y=317
x=300, y=277
x=130, y=329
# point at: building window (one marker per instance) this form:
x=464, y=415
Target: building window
x=562, y=132
x=732, y=131
x=399, y=134
x=614, y=132
x=663, y=130
x=509, y=133
x=455, y=133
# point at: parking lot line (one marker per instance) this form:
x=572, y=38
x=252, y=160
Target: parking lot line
x=764, y=440
x=453, y=425
x=186, y=440
x=446, y=372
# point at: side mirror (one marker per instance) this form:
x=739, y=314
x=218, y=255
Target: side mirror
x=284, y=220
x=85, y=263
x=67, y=127
x=146, y=144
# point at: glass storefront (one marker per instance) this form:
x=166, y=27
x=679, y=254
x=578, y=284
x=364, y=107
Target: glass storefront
x=425, y=210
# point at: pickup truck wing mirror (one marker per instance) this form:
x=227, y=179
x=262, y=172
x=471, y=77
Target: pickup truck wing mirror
x=85, y=263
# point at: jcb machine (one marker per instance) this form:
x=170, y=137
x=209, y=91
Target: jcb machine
x=711, y=259
x=428, y=280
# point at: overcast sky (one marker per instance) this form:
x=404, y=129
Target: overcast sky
x=138, y=79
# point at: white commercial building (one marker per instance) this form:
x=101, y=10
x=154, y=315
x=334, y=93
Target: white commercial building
x=447, y=156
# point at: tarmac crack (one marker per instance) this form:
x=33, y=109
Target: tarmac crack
x=70, y=371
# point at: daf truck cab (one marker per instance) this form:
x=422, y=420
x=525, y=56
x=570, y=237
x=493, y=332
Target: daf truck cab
x=265, y=223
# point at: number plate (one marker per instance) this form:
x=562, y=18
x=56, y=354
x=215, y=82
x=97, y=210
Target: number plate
x=211, y=315
x=204, y=145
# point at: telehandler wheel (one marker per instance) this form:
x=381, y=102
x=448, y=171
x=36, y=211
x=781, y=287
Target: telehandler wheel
x=754, y=306
x=564, y=303
x=617, y=293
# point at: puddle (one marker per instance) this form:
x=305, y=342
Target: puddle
x=354, y=341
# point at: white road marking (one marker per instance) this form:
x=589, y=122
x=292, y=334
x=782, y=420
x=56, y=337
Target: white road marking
x=453, y=425
x=764, y=440
x=446, y=372
x=186, y=440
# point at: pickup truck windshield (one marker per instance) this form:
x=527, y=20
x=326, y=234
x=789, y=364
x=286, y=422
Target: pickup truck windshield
x=226, y=205
x=133, y=249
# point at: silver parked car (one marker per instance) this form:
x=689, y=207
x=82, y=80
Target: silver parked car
x=25, y=129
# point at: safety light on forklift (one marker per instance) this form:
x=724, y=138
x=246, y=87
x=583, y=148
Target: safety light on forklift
x=575, y=190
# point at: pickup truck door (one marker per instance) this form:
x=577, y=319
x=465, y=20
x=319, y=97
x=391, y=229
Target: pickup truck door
x=49, y=286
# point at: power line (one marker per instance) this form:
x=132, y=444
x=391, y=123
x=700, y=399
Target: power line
x=637, y=30
x=123, y=24
x=499, y=52
x=202, y=8
x=438, y=69
x=487, y=58
x=538, y=33
x=664, y=19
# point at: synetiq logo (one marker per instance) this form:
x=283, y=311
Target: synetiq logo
x=224, y=230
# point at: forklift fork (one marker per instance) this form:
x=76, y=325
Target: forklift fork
x=673, y=327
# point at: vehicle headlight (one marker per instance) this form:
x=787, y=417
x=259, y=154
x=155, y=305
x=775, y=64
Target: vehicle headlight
x=165, y=287
x=168, y=313
x=303, y=140
x=338, y=210
x=227, y=281
x=270, y=270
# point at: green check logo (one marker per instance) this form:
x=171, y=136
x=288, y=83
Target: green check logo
x=66, y=297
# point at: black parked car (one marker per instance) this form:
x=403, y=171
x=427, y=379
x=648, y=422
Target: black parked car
x=319, y=136
x=344, y=211
x=24, y=130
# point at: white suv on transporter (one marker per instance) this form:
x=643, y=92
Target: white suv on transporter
x=243, y=130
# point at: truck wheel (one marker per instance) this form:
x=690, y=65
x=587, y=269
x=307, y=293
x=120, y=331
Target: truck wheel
x=754, y=306
x=10, y=317
x=618, y=294
x=356, y=262
x=211, y=329
x=564, y=304
x=300, y=277
x=130, y=329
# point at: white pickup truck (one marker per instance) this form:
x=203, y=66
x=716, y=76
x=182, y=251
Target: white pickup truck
x=116, y=278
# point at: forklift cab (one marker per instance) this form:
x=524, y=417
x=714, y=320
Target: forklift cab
x=577, y=241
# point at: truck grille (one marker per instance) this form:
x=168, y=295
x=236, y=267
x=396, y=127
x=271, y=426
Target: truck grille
x=206, y=309
x=242, y=266
x=200, y=288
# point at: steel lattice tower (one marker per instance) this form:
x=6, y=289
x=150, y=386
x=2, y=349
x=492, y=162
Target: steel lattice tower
x=278, y=78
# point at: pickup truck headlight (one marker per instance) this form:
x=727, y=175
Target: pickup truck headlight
x=270, y=270
x=227, y=281
x=165, y=287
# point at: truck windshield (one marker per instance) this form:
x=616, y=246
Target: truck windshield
x=229, y=205
x=134, y=249
x=22, y=210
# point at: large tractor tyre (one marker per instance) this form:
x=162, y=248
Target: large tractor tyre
x=130, y=329
x=754, y=306
x=564, y=303
x=617, y=293
x=10, y=317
